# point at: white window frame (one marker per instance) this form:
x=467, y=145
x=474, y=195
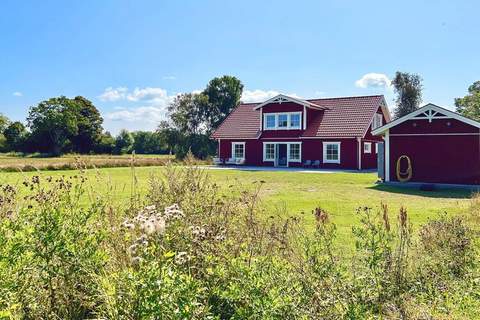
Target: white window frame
x=299, y=152
x=376, y=147
x=233, y=150
x=265, y=115
x=289, y=115
x=325, y=144
x=265, y=159
x=377, y=121
x=289, y=160
x=367, y=147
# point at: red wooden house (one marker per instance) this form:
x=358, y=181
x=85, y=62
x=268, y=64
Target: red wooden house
x=431, y=145
x=289, y=132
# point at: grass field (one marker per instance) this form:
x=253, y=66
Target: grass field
x=12, y=162
x=291, y=193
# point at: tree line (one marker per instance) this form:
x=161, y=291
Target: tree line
x=74, y=125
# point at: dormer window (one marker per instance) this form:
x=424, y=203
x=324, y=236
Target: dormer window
x=270, y=121
x=295, y=120
x=282, y=121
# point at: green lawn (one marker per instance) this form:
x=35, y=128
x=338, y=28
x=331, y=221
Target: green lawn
x=296, y=192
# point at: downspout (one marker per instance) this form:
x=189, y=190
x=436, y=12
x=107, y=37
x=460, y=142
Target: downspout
x=359, y=140
x=387, y=155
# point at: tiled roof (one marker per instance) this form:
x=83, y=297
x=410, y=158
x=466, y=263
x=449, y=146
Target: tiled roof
x=346, y=117
x=243, y=122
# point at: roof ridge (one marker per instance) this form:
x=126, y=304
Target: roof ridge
x=325, y=98
x=347, y=97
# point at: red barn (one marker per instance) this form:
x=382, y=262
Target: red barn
x=290, y=132
x=431, y=145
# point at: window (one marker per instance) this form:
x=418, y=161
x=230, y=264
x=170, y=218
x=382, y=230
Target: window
x=269, y=152
x=294, y=155
x=270, y=121
x=283, y=120
x=376, y=148
x=331, y=152
x=377, y=121
x=238, y=150
x=367, y=147
x=295, y=121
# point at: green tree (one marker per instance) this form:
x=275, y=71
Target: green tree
x=4, y=122
x=89, y=123
x=52, y=123
x=169, y=136
x=124, y=142
x=223, y=94
x=408, y=88
x=15, y=135
x=187, y=112
x=469, y=106
x=106, y=144
x=147, y=142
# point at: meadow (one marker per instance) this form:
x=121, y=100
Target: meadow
x=291, y=193
x=13, y=162
x=183, y=242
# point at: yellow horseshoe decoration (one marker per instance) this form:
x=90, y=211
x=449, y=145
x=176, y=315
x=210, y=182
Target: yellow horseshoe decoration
x=407, y=175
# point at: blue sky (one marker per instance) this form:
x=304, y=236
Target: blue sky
x=131, y=57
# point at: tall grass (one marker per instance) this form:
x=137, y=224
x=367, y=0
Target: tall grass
x=189, y=249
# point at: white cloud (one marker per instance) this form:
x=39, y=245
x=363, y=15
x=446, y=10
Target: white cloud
x=113, y=94
x=151, y=109
x=373, y=80
x=17, y=94
x=152, y=114
x=148, y=94
x=169, y=77
x=258, y=95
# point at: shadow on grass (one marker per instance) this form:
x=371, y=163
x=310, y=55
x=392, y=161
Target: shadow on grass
x=453, y=193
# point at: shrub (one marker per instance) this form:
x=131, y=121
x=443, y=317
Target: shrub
x=50, y=252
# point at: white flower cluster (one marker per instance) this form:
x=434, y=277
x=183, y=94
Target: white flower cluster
x=150, y=222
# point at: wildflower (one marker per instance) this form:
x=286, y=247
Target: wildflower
x=181, y=258
x=133, y=248
x=137, y=260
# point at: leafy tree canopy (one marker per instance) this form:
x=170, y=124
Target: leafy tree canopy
x=15, y=135
x=408, y=88
x=62, y=124
x=187, y=112
x=223, y=94
x=124, y=142
x=52, y=122
x=89, y=122
x=469, y=106
x=4, y=122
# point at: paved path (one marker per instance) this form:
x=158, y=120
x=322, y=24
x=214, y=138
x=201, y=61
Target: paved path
x=303, y=170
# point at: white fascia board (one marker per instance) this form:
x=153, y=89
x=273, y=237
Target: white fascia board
x=430, y=106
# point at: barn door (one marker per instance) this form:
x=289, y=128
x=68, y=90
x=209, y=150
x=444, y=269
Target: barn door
x=381, y=160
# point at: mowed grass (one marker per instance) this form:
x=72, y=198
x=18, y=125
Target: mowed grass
x=292, y=193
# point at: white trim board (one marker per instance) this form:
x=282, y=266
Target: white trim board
x=281, y=98
x=429, y=110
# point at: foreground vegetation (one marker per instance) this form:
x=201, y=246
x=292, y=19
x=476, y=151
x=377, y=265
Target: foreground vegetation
x=190, y=248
